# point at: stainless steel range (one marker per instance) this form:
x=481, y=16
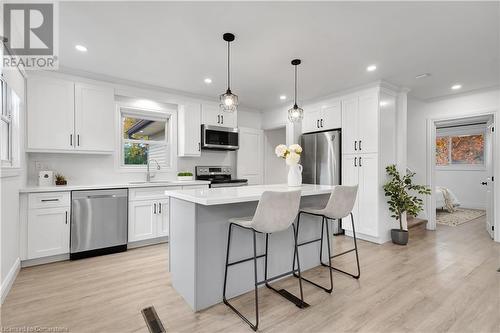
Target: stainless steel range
x=219, y=176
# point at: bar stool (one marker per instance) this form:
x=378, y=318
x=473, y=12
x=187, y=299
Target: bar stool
x=339, y=205
x=276, y=211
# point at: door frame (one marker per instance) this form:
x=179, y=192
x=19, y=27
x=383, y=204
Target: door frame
x=265, y=151
x=431, y=166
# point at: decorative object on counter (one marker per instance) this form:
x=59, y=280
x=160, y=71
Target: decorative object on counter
x=60, y=179
x=295, y=114
x=398, y=190
x=46, y=178
x=184, y=176
x=292, y=157
x=228, y=100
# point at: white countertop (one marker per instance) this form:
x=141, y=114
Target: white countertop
x=158, y=183
x=228, y=195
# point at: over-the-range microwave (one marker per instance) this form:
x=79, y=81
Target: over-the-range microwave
x=219, y=138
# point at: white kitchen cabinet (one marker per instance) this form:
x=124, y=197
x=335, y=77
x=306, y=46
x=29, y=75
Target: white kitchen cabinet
x=50, y=116
x=48, y=227
x=212, y=115
x=162, y=219
x=360, y=125
x=94, y=118
x=142, y=220
x=64, y=116
x=326, y=116
x=189, y=130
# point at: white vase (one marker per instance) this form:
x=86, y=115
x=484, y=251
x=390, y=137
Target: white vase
x=295, y=175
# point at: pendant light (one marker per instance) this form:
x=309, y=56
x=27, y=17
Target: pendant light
x=228, y=100
x=295, y=114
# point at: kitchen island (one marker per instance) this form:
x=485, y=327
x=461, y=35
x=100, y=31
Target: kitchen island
x=198, y=240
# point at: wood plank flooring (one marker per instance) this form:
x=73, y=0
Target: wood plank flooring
x=443, y=281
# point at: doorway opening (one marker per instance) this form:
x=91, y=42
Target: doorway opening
x=275, y=171
x=461, y=172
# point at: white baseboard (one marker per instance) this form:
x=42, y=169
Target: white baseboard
x=377, y=240
x=9, y=279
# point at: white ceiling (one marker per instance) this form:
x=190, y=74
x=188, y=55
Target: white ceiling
x=177, y=45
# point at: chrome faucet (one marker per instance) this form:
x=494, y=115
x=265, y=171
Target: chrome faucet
x=148, y=173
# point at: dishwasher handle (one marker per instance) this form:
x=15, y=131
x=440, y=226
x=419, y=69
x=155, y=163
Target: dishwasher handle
x=101, y=196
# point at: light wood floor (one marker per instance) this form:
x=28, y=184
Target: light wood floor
x=442, y=281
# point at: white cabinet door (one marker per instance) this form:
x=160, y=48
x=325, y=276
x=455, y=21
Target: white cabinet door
x=349, y=125
x=48, y=232
x=94, y=118
x=189, y=130
x=310, y=123
x=142, y=222
x=368, y=123
x=210, y=115
x=162, y=218
x=229, y=119
x=250, y=156
x=50, y=114
x=368, y=194
x=350, y=177
x=330, y=116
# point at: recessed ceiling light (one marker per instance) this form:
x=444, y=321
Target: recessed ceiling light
x=384, y=103
x=208, y=80
x=282, y=97
x=80, y=48
x=422, y=76
x=456, y=86
x=371, y=68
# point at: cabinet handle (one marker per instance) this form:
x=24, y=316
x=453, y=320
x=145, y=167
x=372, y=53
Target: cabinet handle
x=78, y=140
x=355, y=161
x=355, y=145
x=360, y=161
x=66, y=217
x=45, y=200
x=317, y=123
x=222, y=119
x=159, y=208
x=199, y=146
x=360, y=145
x=71, y=139
x=218, y=119
x=154, y=208
x=321, y=122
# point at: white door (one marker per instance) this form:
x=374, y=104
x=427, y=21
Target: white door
x=211, y=115
x=368, y=123
x=490, y=197
x=350, y=177
x=142, y=221
x=310, y=123
x=229, y=119
x=50, y=114
x=162, y=218
x=331, y=116
x=368, y=193
x=48, y=232
x=350, y=126
x=189, y=130
x=250, y=156
x=94, y=117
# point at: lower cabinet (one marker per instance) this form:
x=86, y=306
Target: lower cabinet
x=48, y=224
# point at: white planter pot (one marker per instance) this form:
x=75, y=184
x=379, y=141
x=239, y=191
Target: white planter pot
x=184, y=177
x=295, y=175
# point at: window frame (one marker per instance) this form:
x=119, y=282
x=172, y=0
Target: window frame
x=125, y=110
x=10, y=119
x=461, y=131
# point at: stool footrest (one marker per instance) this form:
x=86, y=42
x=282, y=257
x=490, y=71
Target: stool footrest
x=342, y=253
x=309, y=242
x=244, y=260
x=276, y=277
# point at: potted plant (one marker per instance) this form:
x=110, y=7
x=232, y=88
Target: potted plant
x=184, y=176
x=60, y=179
x=399, y=190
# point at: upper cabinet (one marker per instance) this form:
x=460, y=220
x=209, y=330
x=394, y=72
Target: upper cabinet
x=212, y=115
x=189, y=130
x=322, y=117
x=64, y=116
x=360, y=124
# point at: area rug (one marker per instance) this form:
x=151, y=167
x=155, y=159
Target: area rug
x=458, y=217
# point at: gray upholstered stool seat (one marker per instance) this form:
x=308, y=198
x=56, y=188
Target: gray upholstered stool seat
x=275, y=212
x=340, y=205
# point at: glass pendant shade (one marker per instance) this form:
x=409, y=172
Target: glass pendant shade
x=228, y=101
x=295, y=114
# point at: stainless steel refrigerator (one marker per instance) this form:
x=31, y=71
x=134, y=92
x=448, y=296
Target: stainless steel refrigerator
x=321, y=158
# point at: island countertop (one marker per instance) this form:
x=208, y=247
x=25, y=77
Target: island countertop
x=228, y=195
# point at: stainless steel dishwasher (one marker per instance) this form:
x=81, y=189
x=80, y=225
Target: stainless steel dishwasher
x=99, y=222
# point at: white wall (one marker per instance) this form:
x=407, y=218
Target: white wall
x=466, y=185
x=275, y=171
x=419, y=112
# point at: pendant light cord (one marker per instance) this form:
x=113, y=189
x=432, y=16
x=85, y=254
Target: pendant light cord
x=295, y=103
x=228, y=74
